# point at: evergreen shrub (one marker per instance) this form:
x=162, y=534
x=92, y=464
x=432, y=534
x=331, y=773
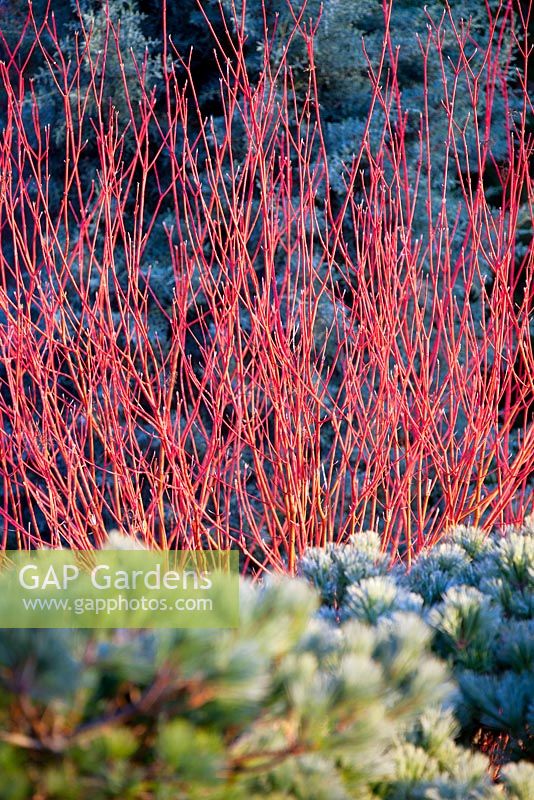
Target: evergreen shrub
x=477, y=594
x=342, y=691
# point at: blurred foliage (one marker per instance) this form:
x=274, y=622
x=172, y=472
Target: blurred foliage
x=287, y=706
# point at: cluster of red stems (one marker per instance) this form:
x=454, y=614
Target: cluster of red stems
x=426, y=426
